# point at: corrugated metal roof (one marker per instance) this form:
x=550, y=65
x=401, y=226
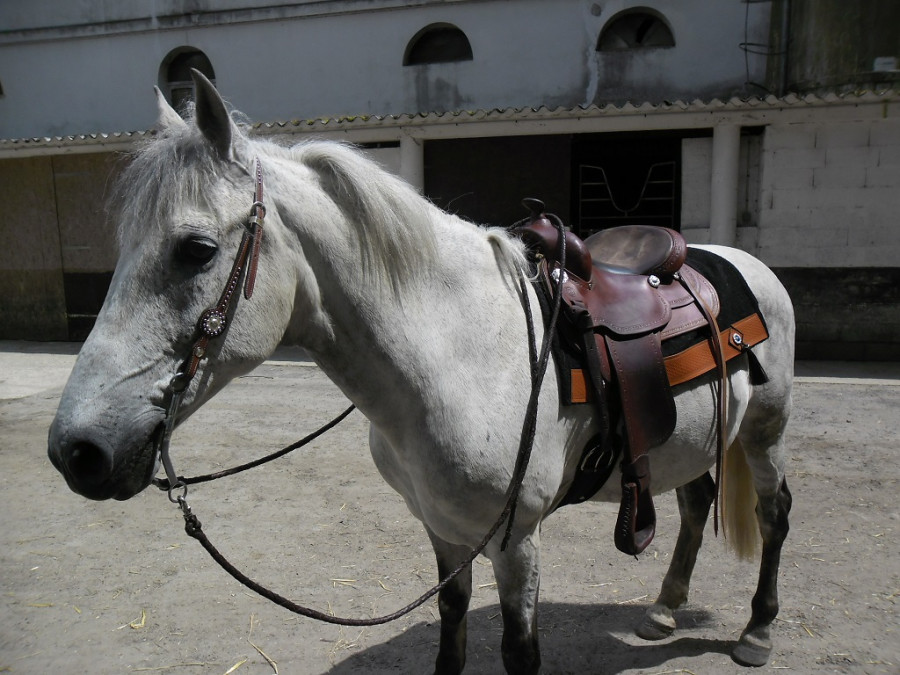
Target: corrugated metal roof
x=95, y=140
x=611, y=109
x=99, y=141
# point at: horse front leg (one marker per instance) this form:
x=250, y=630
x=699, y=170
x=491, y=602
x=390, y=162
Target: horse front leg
x=694, y=500
x=518, y=574
x=453, y=604
x=755, y=645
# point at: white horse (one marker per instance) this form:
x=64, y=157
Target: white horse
x=416, y=315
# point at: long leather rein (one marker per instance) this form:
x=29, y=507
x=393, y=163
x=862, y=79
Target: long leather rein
x=213, y=323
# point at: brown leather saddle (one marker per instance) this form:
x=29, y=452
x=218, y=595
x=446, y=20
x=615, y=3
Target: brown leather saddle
x=624, y=291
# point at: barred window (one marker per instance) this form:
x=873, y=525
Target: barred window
x=175, y=74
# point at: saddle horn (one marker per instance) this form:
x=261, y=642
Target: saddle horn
x=542, y=236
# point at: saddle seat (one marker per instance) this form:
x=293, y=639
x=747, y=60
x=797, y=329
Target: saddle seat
x=628, y=249
x=638, y=249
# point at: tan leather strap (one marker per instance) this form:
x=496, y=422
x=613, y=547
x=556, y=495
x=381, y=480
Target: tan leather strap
x=699, y=359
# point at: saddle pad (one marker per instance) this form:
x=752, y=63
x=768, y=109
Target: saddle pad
x=740, y=321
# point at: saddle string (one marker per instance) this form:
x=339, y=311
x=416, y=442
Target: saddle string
x=193, y=527
x=721, y=400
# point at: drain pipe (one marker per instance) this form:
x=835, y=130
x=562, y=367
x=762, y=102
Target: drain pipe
x=785, y=47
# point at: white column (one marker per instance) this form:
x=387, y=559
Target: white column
x=412, y=161
x=724, y=187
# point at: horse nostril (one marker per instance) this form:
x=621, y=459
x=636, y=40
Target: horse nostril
x=89, y=464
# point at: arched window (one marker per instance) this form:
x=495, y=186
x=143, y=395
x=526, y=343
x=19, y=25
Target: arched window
x=175, y=74
x=438, y=43
x=635, y=29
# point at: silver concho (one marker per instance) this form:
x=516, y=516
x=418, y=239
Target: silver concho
x=212, y=323
x=557, y=273
x=654, y=281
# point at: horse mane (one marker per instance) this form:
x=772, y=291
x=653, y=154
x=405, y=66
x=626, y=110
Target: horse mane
x=394, y=224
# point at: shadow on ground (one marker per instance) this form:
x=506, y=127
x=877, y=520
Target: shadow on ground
x=574, y=639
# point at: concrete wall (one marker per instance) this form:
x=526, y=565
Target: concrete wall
x=830, y=225
x=819, y=203
x=815, y=196
x=76, y=68
x=829, y=194
x=707, y=61
x=59, y=244
x=811, y=195
x=31, y=285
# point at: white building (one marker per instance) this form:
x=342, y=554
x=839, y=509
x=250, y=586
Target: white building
x=724, y=120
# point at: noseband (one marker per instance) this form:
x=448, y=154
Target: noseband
x=212, y=324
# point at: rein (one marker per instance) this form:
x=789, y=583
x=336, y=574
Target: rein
x=212, y=324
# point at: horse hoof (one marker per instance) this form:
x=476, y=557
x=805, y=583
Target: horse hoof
x=658, y=624
x=752, y=651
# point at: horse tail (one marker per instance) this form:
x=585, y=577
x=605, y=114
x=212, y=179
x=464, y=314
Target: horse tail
x=739, y=504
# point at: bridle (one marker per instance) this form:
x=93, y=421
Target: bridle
x=213, y=323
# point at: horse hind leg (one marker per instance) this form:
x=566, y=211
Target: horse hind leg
x=694, y=501
x=755, y=644
x=762, y=439
x=453, y=605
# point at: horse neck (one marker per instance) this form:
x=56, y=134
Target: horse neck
x=386, y=343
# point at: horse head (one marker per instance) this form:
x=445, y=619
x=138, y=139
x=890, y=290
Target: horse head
x=184, y=201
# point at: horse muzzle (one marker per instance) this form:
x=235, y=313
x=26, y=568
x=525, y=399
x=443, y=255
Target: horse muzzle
x=94, y=470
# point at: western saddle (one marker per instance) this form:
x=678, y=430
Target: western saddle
x=624, y=291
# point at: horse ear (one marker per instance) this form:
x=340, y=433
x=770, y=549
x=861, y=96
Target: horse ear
x=212, y=116
x=168, y=119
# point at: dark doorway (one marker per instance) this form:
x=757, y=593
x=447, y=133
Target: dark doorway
x=626, y=179
x=485, y=179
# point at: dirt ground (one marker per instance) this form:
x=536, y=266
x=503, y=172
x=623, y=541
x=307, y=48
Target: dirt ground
x=111, y=588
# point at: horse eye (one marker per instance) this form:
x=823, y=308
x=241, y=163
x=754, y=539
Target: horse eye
x=196, y=250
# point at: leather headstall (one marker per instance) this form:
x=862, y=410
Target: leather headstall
x=212, y=324
x=214, y=320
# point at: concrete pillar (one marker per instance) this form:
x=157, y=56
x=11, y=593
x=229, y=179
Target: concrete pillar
x=724, y=187
x=412, y=161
